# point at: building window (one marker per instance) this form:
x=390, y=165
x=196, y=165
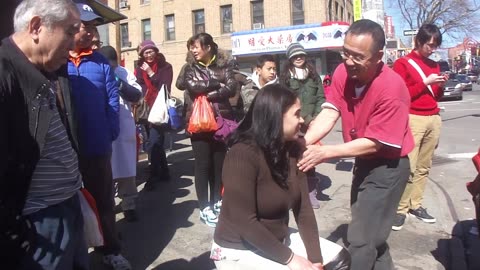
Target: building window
x=124, y=42
x=336, y=11
x=297, y=12
x=170, y=27
x=341, y=14
x=146, y=30
x=257, y=15
x=123, y=4
x=143, y=2
x=198, y=21
x=226, y=17
x=330, y=10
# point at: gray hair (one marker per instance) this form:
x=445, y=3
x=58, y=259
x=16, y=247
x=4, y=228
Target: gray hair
x=50, y=11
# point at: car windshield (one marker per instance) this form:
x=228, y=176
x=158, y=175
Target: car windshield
x=461, y=77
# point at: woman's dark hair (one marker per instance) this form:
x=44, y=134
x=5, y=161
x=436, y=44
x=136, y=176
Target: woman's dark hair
x=426, y=33
x=205, y=40
x=289, y=67
x=365, y=26
x=263, y=127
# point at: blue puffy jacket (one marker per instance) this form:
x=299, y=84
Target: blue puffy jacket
x=95, y=99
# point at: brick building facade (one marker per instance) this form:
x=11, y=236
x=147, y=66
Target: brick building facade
x=169, y=23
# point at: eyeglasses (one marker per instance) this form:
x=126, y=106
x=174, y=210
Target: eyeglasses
x=359, y=60
x=149, y=52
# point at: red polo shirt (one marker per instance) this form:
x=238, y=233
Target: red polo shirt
x=379, y=113
x=423, y=102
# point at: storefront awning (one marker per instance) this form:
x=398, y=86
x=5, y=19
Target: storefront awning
x=109, y=15
x=276, y=40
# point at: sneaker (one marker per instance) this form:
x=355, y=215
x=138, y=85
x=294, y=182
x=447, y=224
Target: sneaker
x=421, y=213
x=398, y=222
x=208, y=217
x=117, y=262
x=217, y=207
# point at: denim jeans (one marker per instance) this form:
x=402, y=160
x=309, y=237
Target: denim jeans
x=60, y=242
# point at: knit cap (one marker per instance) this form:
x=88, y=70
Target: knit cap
x=295, y=49
x=145, y=45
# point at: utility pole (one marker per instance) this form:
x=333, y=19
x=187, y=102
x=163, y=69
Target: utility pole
x=118, y=46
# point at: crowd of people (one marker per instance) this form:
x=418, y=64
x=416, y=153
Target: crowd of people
x=71, y=114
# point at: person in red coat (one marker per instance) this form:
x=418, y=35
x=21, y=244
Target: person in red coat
x=153, y=72
x=425, y=84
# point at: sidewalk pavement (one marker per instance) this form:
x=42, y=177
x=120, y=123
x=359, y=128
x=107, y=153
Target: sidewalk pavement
x=169, y=234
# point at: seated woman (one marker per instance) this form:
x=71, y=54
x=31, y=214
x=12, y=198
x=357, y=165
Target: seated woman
x=261, y=184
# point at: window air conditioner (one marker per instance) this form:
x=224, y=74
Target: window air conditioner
x=123, y=4
x=257, y=26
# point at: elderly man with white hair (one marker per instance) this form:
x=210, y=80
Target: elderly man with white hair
x=41, y=225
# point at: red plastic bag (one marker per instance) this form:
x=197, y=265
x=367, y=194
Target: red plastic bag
x=202, y=119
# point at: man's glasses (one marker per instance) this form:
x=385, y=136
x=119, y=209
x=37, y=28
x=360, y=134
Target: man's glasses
x=356, y=59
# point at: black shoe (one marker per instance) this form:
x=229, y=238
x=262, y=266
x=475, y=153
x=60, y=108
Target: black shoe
x=164, y=178
x=421, y=213
x=150, y=185
x=130, y=215
x=398, y=222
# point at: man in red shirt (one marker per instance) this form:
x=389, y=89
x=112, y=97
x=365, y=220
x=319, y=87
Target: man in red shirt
x=373, y=102
x=425, y=86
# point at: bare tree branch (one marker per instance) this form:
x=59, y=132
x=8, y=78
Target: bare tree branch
x=454, y=17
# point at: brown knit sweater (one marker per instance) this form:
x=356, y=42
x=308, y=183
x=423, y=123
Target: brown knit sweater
x=255, y=208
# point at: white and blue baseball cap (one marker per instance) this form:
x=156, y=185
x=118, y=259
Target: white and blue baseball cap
x=86, y=13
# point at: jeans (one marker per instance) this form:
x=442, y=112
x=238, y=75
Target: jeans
x=97, y=178
x=426, y=133
x=60, y=242
x=209, y=155
x=156, y=153
x=377, y=187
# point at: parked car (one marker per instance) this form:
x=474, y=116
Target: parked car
x=453, y=90
x=472, y=77
x=463, y=78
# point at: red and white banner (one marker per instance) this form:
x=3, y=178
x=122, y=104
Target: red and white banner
x=277, y=39
x=389, y=32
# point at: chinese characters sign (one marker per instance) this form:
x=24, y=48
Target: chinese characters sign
x=277, y=40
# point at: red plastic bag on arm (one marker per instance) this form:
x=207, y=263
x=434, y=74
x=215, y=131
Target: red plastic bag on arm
x=202, y=119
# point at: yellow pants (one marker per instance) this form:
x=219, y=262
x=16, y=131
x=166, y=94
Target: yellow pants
x=426, y=133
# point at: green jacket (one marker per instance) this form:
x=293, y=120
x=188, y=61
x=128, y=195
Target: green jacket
x=311, y=96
